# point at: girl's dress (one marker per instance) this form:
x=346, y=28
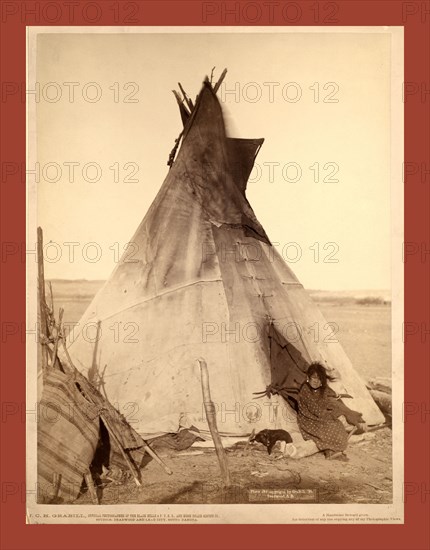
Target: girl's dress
x=318, y=418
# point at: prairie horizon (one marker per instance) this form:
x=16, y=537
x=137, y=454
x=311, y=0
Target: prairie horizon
x=316, y=294
x=362, y=318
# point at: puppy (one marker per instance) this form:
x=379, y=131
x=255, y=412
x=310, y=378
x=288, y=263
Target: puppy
x=270, y=437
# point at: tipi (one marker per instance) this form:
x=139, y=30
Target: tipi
x=204, y=281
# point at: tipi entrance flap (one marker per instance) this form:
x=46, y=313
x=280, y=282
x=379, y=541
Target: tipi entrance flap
x=288, y=366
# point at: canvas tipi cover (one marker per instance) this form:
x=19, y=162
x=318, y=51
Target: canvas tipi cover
x=204, y=281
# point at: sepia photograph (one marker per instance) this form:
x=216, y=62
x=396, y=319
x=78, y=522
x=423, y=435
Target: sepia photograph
x=217, y=220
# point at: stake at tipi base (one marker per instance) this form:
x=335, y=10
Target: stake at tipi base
x=211, y=418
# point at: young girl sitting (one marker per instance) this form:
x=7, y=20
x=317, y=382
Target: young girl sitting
x=318, y=414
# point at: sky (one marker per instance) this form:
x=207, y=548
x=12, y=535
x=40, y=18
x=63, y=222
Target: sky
x=321, y=186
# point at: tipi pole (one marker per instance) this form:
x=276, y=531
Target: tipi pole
x=221, y=78
x=157, y=459
x=187, y=100
x=211, y=418
x=121, y=449
x=91, y=488
x=93, y=371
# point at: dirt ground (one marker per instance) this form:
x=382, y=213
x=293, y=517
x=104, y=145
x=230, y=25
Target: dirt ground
x=365, y=478
x=364, y=332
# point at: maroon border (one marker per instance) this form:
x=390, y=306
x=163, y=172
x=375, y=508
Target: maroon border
x=415, y=18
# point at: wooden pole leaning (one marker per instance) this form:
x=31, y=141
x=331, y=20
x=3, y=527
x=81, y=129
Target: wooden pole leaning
x=157, y=459
x=211, y=418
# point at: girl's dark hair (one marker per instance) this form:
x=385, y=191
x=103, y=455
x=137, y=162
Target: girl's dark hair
x=320, y=370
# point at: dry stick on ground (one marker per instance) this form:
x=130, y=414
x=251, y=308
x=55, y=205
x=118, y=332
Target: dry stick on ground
x=42, y=299
x=211, y=418
x=374, y=486
x=379, y=427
